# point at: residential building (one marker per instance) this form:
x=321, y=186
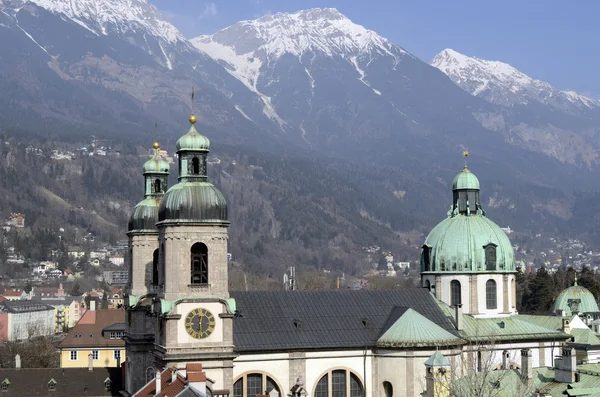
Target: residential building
x=116, y=299
x=67, y=312
x=99, y=334
x=16, y=220
x=116, y=276
x=48, y=292
x=23, y=319
x=15, y=294
x=117, y=260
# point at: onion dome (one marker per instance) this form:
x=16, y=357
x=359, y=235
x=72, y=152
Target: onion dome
x=194, y=199
x=193, y=140
x=144, y=216
x=145, y=213
x=576, y=299
x=467, y=241
x=156, y=165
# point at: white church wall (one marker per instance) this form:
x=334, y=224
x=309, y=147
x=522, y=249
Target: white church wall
x=319, y=363
x=276, y=365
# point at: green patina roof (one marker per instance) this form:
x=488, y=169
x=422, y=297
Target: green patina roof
x=576, y=299
x=585, y=336
x=465, y=180
x=413, y=329
x=144, y=215
x=193, y=201
x=193, y=141
x=502, y=328
x=156, y=165
x=457, y=244
x=437, y=360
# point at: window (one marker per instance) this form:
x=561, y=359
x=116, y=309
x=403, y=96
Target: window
x=157, y=187
x=4, y=385
x=73, y=355
x=428, y=285
x=490, y=294
x=426, y=258
x=107, y=384
x=52, y=385
x=490, y=257
x=339, y=383
x=95, y=354
x=155, y=268
x=195, y=166
x=388, y=389
x=117, y=354
x=251, y=385
x=116, y=334
x=199, y=264
x=455, y=296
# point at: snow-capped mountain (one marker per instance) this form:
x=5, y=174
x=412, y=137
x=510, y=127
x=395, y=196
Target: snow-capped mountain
x=503, y=84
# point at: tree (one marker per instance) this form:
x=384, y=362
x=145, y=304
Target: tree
x=105, y=300
x=76, y=290
x=27, y=288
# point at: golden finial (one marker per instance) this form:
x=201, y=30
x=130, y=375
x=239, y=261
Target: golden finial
x=193, y=119
x=465, y=154
x=156, y=146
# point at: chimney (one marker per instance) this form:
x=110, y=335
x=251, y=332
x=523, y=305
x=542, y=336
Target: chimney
x=90, y=362
x=196, y=377
x=526, y=366
x=173, y=374
x=157, y=382
x=505, y=359
x=92, y=305
x=459, y=317
x=566, y=325
x=566, y=366
x=18, y=362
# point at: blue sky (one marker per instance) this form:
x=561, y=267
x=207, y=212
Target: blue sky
x=556, y=41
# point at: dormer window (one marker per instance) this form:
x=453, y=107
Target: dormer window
x=52, y=385
x=4, y=385
x=107, y=383
x=490, y=256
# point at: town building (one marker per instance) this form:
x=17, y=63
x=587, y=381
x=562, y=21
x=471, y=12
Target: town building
x=327, y=343
x=98, y=335
x=67, y=311
x=15, y=294
x=116, y=276
x=60, y=382
x=24, y=319
x=16, y=220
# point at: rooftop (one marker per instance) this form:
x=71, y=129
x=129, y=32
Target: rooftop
x=88, y=331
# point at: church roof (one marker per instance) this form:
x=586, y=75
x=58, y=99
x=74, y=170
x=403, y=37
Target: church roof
x=437, y=360
x=343, y=319
x=284, y=320
x=576, y=299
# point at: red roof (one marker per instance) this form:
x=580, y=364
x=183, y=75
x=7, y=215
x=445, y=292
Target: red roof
x=167, y=387
x=13, y=292
x=88, y=331
x=2, y=299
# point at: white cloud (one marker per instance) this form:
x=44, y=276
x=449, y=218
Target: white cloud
x=210, y=10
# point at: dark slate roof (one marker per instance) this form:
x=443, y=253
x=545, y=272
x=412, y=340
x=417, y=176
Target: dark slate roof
x=23, y=306
x=70, y=382
x=286, y=320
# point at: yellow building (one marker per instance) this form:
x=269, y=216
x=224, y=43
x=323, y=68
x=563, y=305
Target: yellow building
x=67, y=311
x=99, y=333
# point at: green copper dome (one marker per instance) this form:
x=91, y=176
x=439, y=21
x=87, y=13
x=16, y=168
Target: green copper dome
x=576, y=299
x=144, y=216
x=193, y=202
x=465, y=180
x=193, y=141
x=464, y=243
x=156, y=165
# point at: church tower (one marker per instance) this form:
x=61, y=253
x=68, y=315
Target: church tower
x=143, y=272
x=467, y=259
x=194, y=312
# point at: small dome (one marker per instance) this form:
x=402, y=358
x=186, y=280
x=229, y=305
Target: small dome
x=156, y=165
x=458, y=244
x=144, y=216
x=193, y=202
x=193, y=141
x=576, y=299
x=465, y=180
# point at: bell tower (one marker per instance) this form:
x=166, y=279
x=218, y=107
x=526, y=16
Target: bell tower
x=143, y=271
x=194, y=311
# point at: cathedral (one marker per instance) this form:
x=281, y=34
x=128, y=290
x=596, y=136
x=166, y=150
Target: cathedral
x=317, y=343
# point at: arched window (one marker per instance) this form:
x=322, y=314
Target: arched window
x=155, y=268
x=157, y=187
x=339, y=383
x=428, y=285
x=426, y=258
x=150, y=374
x=255, y=384
x=490, y=295
x=490, y=257
x=388, y=389
x=199, y=265
x=455, y=296
x=195, y=166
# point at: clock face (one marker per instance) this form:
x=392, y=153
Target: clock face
x=200, y=323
